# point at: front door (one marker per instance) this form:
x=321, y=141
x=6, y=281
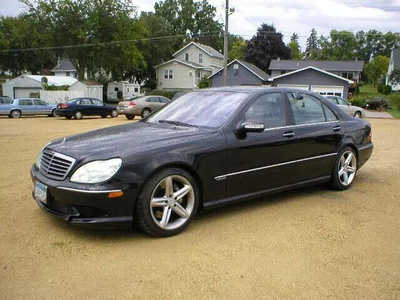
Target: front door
x=256, y=162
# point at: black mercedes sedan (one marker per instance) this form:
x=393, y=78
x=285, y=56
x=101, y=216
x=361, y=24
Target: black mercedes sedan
x=206, y=149
x=80, y=107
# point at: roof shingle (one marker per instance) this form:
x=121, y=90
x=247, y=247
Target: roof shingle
x=328, y=65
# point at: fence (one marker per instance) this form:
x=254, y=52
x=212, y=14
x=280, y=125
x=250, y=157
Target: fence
x=55, y=97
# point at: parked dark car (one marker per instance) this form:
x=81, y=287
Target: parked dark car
x=80, y=107
x=378, y=104
x=5, y=100
x=207, y=148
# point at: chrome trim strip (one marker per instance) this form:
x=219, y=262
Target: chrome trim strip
x=362, y=148
x=301, y=125
x=222, y=177
x=87, y=191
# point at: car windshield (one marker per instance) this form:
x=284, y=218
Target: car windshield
x=201, y=109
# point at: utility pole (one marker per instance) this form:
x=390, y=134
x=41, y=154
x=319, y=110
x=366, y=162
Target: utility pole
x=225, y=75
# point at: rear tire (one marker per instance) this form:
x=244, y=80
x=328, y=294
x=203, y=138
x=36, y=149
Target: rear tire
x=167, y=203
x=104, y=116
x=146, y=112
x=130, y=117
x=345, y=169
x=53, y=113
x=78, y=115
x=15, y=114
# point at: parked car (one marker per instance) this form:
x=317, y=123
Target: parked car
x=378, y=104
x=354, y=111
x=27, y=106
x=142, y=106
x=80, y=107
x=206, y=149
x=5, y=100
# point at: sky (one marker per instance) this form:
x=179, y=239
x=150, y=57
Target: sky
x=298, y=16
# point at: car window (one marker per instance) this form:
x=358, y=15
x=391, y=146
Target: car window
x=163, y=100
x=267, y=110
x=306, y=108
x=39, y=102
x=25, y=102
x=342, y=101
x=85, y=102
x=330, y=116
x=97, y=102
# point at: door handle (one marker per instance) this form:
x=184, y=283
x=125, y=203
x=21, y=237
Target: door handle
x=336, y=128
x=289, y=134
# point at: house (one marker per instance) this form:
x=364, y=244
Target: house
x=347, y=69
x=188, y=66
x=65, y=67
x=316, y=80
x=32, y=86
x=240, y=72
x=394, y=64
x=124, y=88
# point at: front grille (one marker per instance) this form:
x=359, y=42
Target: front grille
x=55, y=165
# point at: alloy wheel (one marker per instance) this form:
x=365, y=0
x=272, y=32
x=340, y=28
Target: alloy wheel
x=114, y=114
x=16, y=114
x=347, y=168
x=78, y=115
x=172, y=202
x=146, y=113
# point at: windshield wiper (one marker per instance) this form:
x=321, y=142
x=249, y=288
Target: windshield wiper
x=177, y=123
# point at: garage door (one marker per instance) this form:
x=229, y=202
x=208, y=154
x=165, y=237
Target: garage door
x=25, y=92
x=328, y=90
x=294, y=86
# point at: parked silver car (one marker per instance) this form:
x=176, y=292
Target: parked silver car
x=27, y=106
x=354, y=111
x=142, y=106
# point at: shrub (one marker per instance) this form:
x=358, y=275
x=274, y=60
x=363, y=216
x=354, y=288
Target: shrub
x=384, y=89
x=168, y=94
x=204, y=83
x=358, y=102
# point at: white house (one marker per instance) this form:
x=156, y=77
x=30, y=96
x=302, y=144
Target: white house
x=393, y=65
x=127, y=90
x=32, y=86
x=65, y=67
x=188, y=66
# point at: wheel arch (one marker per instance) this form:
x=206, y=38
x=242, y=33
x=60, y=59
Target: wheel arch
x=352, y=146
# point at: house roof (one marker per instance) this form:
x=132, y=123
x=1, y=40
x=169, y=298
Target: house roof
x=328, y=65
x=64, y=65
x=209, y=50
x=186, y=63
x=396, y=58
x=53, y=80
x=252, y=68
x=312, y=68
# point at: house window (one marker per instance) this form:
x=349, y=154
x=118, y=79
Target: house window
x=116, y=89
x=236, y=67
x=198, y=74
x=166, y=74
x=68, y=73
x=187, y=56
x=348, y=75
x=170, y=74
x=136, y=90
x=200, y=58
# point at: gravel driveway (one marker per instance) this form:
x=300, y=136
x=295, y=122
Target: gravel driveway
x=309, y=244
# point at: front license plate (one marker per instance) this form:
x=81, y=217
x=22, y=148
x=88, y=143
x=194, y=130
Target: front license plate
x=41, y=192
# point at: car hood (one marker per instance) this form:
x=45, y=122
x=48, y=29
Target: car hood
x=123, y=140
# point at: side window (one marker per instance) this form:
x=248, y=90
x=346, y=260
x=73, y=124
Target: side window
x=85, y=102
x=330, y=116
x=25, y=102
x=306, y=109
x=267, y=110
x=97, y=102
x=37, y=102
x=163, y=100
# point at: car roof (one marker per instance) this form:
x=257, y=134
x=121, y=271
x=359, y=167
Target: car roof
x=253, y=89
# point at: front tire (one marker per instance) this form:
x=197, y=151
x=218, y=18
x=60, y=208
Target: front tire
x=345, y=169
x=130, y=117
x=15, y=114
x=168, y=203
x=114, y=113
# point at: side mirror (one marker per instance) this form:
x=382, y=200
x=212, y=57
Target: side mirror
x=250, y=126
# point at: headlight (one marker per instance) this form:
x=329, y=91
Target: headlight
x=97, y=171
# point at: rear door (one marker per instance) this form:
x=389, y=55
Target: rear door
x=316, y=134
x=41, y=107
x=27, y=106
x=98, y=107
x=86, y=106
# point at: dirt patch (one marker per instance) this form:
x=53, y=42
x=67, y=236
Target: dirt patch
x=307, y=244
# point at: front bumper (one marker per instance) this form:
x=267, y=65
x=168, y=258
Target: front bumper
x=79, y=205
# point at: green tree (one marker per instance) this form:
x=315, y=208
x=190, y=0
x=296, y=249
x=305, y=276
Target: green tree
x=238, y=49
x=87, y=22
x=295, y=52
x=312, y=48
x=267, y=44
x=377, y=68
x=193, y=19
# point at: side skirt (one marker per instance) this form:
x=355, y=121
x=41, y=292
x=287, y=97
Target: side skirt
x=245, y=197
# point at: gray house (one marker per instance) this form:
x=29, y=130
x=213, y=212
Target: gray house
x=393, y=65
x=349, y=69
x=240, y=73
x=316, y=80
x=65, y=67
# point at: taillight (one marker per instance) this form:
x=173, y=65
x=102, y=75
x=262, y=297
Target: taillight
x=62, y=105
x=132, y=103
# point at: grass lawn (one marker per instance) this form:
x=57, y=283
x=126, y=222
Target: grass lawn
x=368, y=91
